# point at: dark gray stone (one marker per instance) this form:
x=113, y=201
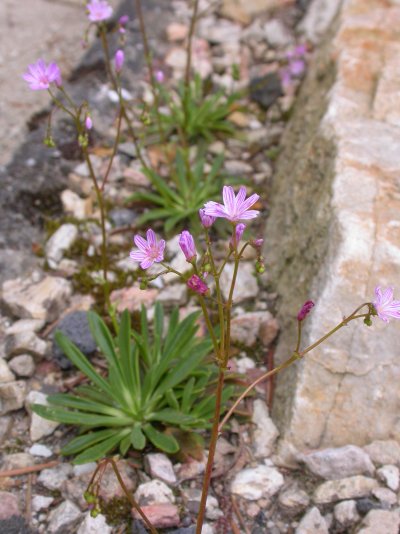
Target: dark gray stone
x=365, y=505
x=15, y=525
x=122, y=217
x=266, y=89
x=75, y=325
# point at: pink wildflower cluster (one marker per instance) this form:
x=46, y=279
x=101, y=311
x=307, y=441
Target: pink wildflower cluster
x=99, y=10
x=40, y=76
x=295, y=67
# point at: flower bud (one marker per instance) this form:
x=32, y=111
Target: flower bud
x=144, y=283
x=88, y=123
x=257, y=243
x=186, y=242
x=305, y=310
x=196, y=284
x=206, y=220
x=159, y=76
x=235, y=239
x=119, y=60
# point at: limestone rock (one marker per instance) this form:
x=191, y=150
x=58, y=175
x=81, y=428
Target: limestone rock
x=217, y=33
x=192, y=498
x=246, y=284
x=39, y=426
x=294, y=499
x=76, y=206
x=94, y=525
x=266, y=433
x=23, y=365
x=8, y=505
x=17, y=460
x=40, y=450
x=154, y=492
x=247, y=328
x=384, y=452
x=158, y=465
x=25, y=343
x=242, y=11
x=31, y=299
x=40, y=502
x=63, y=517
x=175, y=294
x=312, y=523
x=346, y=488
x=389, y=474
x=345, y=513
x=5, y=373
x=160, y=515
x=277, y=34
x=54, y=478
x=381, y=522
x=256, y=483
x=12, y=396
x=176, y=31
x=61, y=241
x=338, y=463
x=131, y=298
x=386, y=496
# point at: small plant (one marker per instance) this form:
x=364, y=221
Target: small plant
x=190, y=188
x=155, y=381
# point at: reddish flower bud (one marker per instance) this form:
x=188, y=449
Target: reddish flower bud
x=196, y=284
x=305, y=310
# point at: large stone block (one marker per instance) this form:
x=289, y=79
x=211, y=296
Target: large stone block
x=334, y=234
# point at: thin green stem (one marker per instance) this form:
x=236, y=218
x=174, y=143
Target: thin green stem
x=299, y=325
x=209, y=326
x=114, y=152
x=229, y=309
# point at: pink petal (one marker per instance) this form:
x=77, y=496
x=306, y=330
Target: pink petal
x=249, y=202
x=148, y=262
x=151, y=238
x=249, y=214
x=228, y=196
x=141, y=243
x=241, y=196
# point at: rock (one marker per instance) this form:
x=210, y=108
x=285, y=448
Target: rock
x=12, y=396
x=5, y=373
x=381, y=522
x=266, y=433
x=266, y=90
x=177, y=31
x=269, y=329
x=61, y=241
x=312, y=523
x=43, y=299
x=160, y=515
x=277, y=34
x=39, y=426
x=389, y=474
x=256, y=483
x=189, y=470
x=17, y=460
x=384, y=452
x=160, y=466
x=338, y=463
x=25, y=343
x=176, y=58
x=154, y=492
x=84, y=469
x=385, y=496
x=121, y=217
x=65, y=516
x=244, y=364
x=174, y=294
x=40, y=450
x=224, y=31
x=246, y=328
x=294, y=499
x=131, y=298
x=40, y=502
x=74, y=205
x=243, y=10
x=25, y=325
x=110, y=486
x=345, y=488
x=346, y=514
x=366, y=504
x=8, y=506
x=237, y=168
x=318, y=19
x=75, y=326
x=246, y=284
x=22, y=365
x=54, y=478
x=192, y=498
x=94, y=525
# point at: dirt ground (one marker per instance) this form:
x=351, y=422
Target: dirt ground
x=29, y=30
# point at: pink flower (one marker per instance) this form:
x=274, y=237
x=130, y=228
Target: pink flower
x=196, y=284
x=384, y=304
x=149, y=251
x=257, y=243
x=119, y=60
x=240, y=228
x=206, y=220
x=297, y=67
x=88, y=123
x=305, y=310
x=99, y=10
x=234, y=208
x=123, y=21
x=41, y=76
x=159, y=75
x=186, y=242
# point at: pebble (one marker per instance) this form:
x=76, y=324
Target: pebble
x=345, y=513
x=246, y=284
x=8, y=505
x=294, y=499
x=94, y=525
x=132, y=298
x=345, y=488
x=255, y=483
x=237, y=168
x=160, y=515
x=341, y=462
x=217, y=33
x=265, y=90
x=177, y=31
x=381, y=522
x=192, y=498
x=5, y=373
x=25, y=342
x=61, y=241
x=17, y=460
x=246, y=329
x=74, y=205
x=312, y=523
x=277, y=34
x=39, y=427
x=40, y=299
x=75, y=326
x=40, y=450
x=159, y=466
x=41, y=502
x=389, y=474
x=63, y=517
x=23, y=365
x=174, y=294
x=54, y=478
x=385, y=496
x=121, y=217
x=154, y=492
x=12, y=396
x=266, y=433
x=384, y=452
x=244, y=364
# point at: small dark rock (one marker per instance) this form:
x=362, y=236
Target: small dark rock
x=138, y=528
x=75, y=325
x=365, y=505
x=122, y=217
x=184, y=530
x=15, y=525
x=266, y=89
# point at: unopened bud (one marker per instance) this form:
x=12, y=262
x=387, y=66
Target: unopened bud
x=144, y=283
x=305, y=310
x=368, y=321
x=260, y=267
x=49, y=141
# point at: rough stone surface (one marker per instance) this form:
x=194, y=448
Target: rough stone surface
x=345, y=513
x=94, y=525
x=63, y=517
x=381, y=522
x=8, y=505
x=319, y=17
x=25, y=342
x=265, y=433
x=346, y=488
x=384, y=452
x=294, y=499
x=62, y=239
x=242, y=10
x=54, y=478
x=161, y=515
x=23, y=365
x=158, y=465
x=246, y=329
x=39, y=426
x=154, y=492
x=332, y=234
x=246, y=283
x=41, y=502
x=12, y=396
x=5, y=373
x=75, y=326
x=30, y=299
x=132, y=298
x=256, y=483
x=338, y=463
x=389, y=474
x=312, y=523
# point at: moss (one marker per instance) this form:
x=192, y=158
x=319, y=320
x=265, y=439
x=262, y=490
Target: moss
x=117, y=511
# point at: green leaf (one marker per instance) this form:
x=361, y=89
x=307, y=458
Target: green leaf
x=164, y=442
x=79, y=418
x=100, y=449
x=138, y=439
x=169, y=415
x=87, y=440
